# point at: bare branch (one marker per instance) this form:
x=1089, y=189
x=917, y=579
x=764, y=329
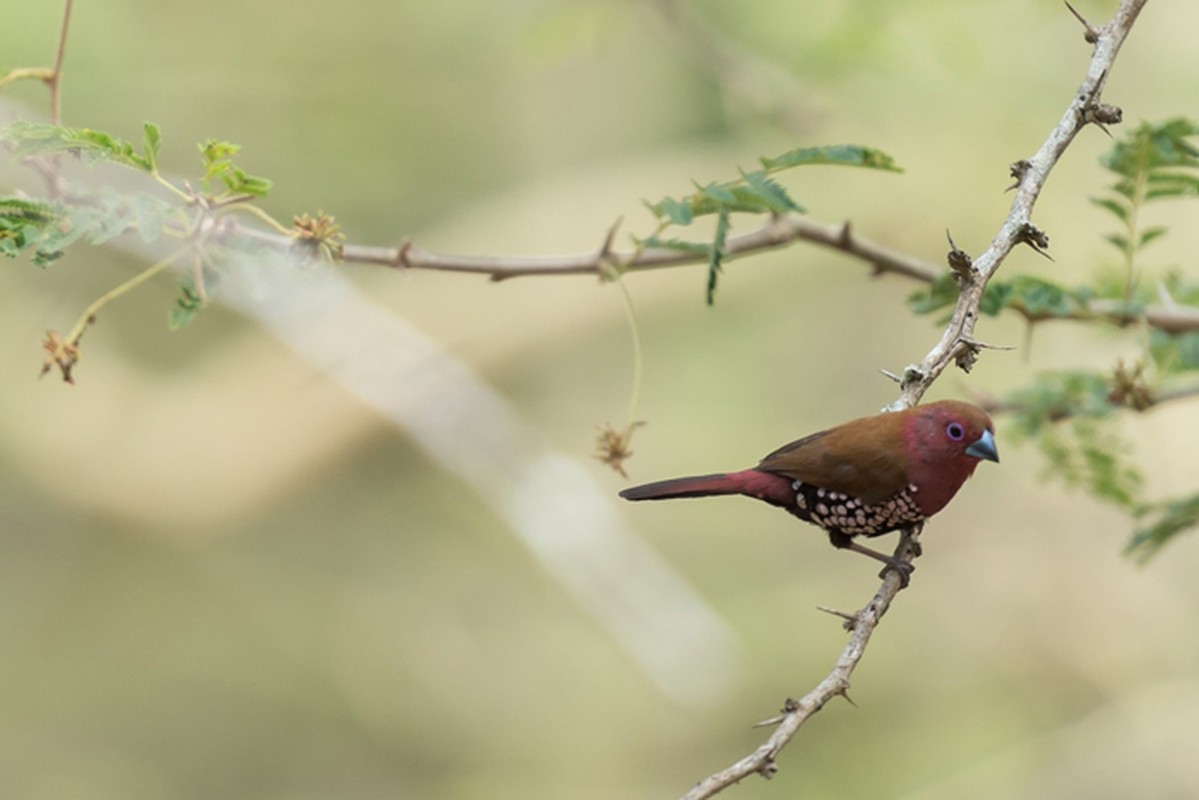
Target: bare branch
x=55, y=76
x=743, y=77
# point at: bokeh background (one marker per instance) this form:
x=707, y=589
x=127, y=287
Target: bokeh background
x=224, y=574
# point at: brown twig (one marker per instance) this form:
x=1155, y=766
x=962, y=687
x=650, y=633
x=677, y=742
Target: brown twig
x=780, y=231
x=55, y=77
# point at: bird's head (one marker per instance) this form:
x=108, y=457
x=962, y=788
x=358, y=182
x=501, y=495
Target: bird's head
x=943, y=443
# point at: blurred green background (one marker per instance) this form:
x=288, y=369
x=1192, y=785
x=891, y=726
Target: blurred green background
x=223, y=576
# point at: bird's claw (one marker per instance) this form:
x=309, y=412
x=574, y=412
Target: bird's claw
x=903, y=569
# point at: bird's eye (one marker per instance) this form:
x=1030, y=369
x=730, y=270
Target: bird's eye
x=955, y=431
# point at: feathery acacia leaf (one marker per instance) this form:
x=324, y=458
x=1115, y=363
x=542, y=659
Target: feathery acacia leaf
x=38, y=138
x=845, y=155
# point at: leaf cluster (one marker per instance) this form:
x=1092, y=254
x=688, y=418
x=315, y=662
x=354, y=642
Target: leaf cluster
x=40, y=138
x=1035, y=298
x=45, y=229
x=1154, y=162
x=25, y=225
x=219, y=170
x=755, y=192
x=1067, y=414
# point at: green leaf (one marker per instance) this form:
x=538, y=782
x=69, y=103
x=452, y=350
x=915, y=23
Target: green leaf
x=846, y=155
x=1171, y=184
x=213, y=151
x=188, y=303
x=1173, y=517
x=681, y=245
x=1174, y=352
x=771, y=194
x=1149, y=234
x=248, y=184
x=1115, y=207
x=24, y=209
x=720, y=195
x=35, y=138
x=716, y=254
x=44, y=258
x=219, y=168
x=1070, y=417
x=677, y=211
x=153, y=143
x=1044, y=298
x=1118, y=241
x=995, y=297
x=1058, y=395
x=941, y=293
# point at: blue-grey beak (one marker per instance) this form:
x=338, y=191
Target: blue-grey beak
x=984, y=448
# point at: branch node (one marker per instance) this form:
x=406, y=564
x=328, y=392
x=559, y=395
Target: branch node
x=1034, y=237
x=912, y=375
x=1018, y=169
x=959, y=261
x=967, y=356
x=401, y=257
x=971, y=348
x=1102, y=114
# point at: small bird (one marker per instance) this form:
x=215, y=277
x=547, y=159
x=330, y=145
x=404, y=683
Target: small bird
x=866, y=477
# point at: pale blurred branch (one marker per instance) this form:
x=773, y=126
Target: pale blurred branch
x=1150, y=400
x=742, y=76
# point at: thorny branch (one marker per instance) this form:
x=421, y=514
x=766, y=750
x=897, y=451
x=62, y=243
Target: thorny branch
x=956, y=342
x=780, y=231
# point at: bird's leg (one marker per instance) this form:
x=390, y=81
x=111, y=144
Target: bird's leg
x=903, y=568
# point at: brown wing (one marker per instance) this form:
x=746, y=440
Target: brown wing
x=862, y=459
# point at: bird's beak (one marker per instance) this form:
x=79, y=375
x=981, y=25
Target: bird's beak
x=984, y=448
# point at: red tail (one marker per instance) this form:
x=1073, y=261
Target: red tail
x=694, y=486
x=774, y=489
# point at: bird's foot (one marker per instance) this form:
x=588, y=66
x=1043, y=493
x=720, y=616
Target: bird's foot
x=903, y=569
